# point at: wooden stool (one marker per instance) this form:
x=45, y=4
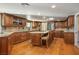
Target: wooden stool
x=45, y=40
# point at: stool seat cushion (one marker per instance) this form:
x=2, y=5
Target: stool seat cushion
x=45, y=38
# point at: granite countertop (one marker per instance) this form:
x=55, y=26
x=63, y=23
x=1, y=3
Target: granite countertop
x=39, y=31
x=5, y=33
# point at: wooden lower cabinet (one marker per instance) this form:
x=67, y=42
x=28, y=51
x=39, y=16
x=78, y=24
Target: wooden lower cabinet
x=59, y=34
x=69, y=37
x=19, y=37
x=36, y=39
x=51, y=36
x=3, y=45
x=7, y=42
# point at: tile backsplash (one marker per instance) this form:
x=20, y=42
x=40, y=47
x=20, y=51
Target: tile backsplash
x=12, y=29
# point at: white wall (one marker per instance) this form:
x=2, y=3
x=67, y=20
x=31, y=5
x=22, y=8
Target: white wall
x=0, y=24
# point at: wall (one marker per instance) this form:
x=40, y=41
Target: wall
x=0, y=24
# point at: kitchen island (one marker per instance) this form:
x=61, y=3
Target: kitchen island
x=39, y=38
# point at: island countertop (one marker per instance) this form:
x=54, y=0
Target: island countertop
x=39, y=31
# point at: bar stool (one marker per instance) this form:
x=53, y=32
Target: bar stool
x=44, y=40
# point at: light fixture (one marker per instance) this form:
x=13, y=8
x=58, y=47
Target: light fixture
x=53, y=6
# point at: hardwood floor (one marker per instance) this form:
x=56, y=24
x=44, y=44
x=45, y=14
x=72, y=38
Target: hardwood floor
x=58, y=47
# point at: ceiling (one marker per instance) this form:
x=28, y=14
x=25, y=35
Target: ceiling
x=61, y=10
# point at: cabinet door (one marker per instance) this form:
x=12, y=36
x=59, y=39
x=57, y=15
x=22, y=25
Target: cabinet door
x=8, y=20
x=0, y=44
x=36, y=39
x=17, y=38
x=69, y=37
x=23, y=36
x=23, y=22
x=65, y=24
x=3, y=46
x=71, y=21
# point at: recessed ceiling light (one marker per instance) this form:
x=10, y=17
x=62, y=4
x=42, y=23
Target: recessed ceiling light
x=53, y=6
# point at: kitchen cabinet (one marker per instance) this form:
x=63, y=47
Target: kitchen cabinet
x=25, y=36
x=9, y=20
x=24, y=22
x=36, y=39
x=71, y=21
x=19, y=22
x=7, y=42
x=69, y=37
x=19, y=37
x=59, y=34
x=65, y=24
x=3, y=45
x=61, y=24
x=51, y=36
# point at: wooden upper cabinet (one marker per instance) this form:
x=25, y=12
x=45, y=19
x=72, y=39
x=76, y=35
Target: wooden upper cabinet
x=23, y=22
x=71, y=21
x=65, y=24
x=8, y=20
x=60, y=24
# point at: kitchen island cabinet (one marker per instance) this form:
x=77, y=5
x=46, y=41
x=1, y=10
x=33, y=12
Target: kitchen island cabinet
x=41, y=38
x=36, y=39
x=51, y=36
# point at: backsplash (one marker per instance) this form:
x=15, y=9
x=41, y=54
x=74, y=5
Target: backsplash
x=66, y=30
x=12, y=29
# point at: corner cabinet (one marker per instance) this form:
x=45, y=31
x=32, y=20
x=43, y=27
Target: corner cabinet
x=71, y=21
